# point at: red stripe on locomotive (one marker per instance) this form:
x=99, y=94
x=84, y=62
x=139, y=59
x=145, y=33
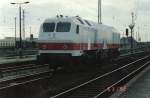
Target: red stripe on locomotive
x=73, y=46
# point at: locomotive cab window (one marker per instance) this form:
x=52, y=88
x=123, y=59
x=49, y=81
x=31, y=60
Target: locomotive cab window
x=48, y=27
x=63, y=27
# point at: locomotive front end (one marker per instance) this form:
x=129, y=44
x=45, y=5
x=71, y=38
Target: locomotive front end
x=57, y=41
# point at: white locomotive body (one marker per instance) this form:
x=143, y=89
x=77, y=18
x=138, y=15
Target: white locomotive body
x=66, y=37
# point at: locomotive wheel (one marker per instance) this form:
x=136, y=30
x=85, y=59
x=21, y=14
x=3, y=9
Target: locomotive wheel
x=40, y=59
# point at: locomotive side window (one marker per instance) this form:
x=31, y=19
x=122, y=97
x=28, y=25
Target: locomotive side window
x=48, y=27
x=77, y=29
x=63, y=27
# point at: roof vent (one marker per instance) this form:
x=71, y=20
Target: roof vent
x=61, y=16
x=57, y=16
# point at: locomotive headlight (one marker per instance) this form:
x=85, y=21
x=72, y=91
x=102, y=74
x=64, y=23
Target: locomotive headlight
x=44, y=46
x=65, y=46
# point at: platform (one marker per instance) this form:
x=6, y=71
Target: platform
x=4, y=60
x=138, y=87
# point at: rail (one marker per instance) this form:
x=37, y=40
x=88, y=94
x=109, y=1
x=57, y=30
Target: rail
x=21, y=72
x=104, y=75
x=133, y=72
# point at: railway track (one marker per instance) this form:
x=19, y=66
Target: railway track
x=15, y=76
x=104, y=85
x=12, y=77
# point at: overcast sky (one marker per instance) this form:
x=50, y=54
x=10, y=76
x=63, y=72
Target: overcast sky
x=116, y=13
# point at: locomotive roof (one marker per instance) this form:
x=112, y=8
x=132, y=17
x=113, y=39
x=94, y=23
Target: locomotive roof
x=80, y=21
x=76, y=19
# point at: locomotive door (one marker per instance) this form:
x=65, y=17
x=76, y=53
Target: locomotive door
x=95, y=36
x=89, y=40
x=92, y=39
x=82, y=36
x=85, y=39
x=95, y=39
x=89, y=43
